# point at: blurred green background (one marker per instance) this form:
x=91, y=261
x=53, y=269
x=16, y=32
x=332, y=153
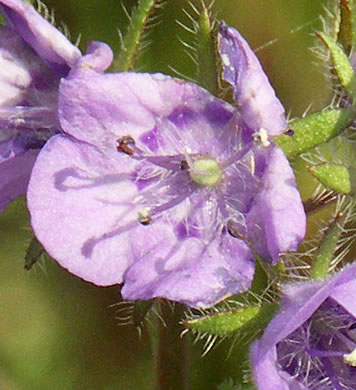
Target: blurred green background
x=58, y=332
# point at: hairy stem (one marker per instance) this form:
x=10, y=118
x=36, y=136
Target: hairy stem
x=135, y=35
x=171, y=351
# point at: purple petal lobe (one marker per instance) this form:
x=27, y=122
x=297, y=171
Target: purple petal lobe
x=344, y=294
x=73, y=189
x=98, y=57
x=273, y=380
x=259, y=106
x=277, y=210
x=49, y=43
x=188, y=271
x=23, y=76
x=109, y=106
x=150, y=139
x=15, y=174
x=314, y=313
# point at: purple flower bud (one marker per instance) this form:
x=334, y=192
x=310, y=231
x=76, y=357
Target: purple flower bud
x=161, y=186
x=34, y=55
x=311, y=342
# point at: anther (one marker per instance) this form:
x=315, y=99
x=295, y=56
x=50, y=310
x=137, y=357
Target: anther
x=261, y=137
x=350, y=358
x=125, y=144
x=184, y=166
x=289, y=132
x=144, y=216
x=233, y=232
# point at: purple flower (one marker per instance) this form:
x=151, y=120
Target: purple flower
x=34, y=55
x=311, y=343
x=161, y=186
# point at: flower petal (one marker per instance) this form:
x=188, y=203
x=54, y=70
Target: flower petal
x=98, y=57
x=266, y=373
x=259, y=106
x=75, y=189
x=344, y=294
x=164, y=115
x=277, y=213
x=72, y=194
x=15, y=174
x=299, y=303
x=22, y=72
x=49, y=43
x=188, y=271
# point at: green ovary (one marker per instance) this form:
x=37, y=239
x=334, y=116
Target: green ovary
x=206, y=172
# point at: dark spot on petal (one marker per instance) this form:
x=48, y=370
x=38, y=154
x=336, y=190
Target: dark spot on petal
x=216, y=113
x=150, y=139
x=125, y=144
x=181, y=116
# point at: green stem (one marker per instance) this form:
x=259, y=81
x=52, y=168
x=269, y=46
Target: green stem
x=136, y=31
x=171, y=351
x=207, y=66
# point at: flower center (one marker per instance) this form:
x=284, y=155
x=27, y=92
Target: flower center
x=321, y=353
x=205, y=172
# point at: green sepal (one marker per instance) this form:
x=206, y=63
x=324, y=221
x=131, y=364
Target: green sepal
x=207, y=75
x=33, y=253
x=135, y=35
x=341, y=66
x=314, y=130
x=327, y=248
x=347, y=33
x=248, y=319
x=332, y=18
x=338, y=178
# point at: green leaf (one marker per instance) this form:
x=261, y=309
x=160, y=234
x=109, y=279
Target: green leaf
x=347, y=33
x=251, y=319
x=327, y=249
x=341, y=66
x=206, y=55
x=33, y=253
x=338, y=178
x=133, y=40
x=314, y=130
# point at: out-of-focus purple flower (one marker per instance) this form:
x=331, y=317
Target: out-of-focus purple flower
x=311, y=343
x=164, y=187
x=34, y=55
